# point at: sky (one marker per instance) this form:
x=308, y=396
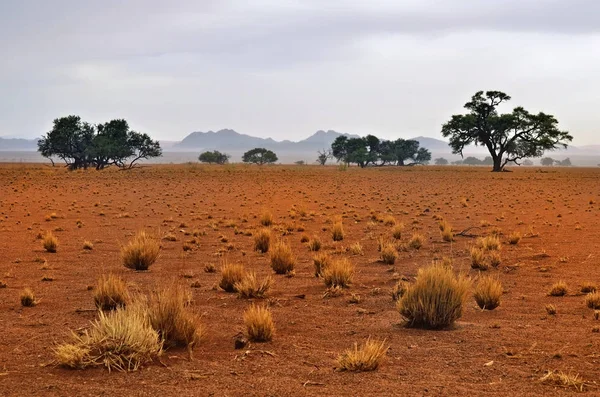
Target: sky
x=287, y=68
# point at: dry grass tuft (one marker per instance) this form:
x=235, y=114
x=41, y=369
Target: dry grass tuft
x=337, y=231
x=259, y=323
x=88, y=245
x=436, y=299
x=321, y=262
x=446, y=230
x=356, y=249
x=489, y=243
x=28, y=298
x=478, y=259
x=588, y=287
x=169, y=316
x=250, y=287
x=558, y=289
x=366, y=357
x=122, y=339
x=338, y=273
x=551, y=309
x=266, y=218
x=487, y=293
x=231, y=273
x=389, y=220
x=397, y=231
x=399, y=290
x=110, y=292
x=416, y=241
x=314, y=244
x=282, y=258
x=262, y=240
x=141, y=252
x=564, y=380
x=514, y=238
x=388, y=254
x=593, y=300
x=50, y=242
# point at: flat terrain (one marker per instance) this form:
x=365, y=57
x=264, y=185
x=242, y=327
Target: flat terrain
x=501, y=352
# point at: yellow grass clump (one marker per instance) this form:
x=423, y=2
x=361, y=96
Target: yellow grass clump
x=366, y=357
x=397, y=231
x=338, y=273
x=141, y=252
x=251, y=287
x=122, y=339
x=282, y=258
x=478, y=259
x=514, y=238
x=28, y=298
x=231, y=273
x=314, y=244
x=487, y=293
x=558, y=289
x=416, y=241
x=446, y=231
x=388, y=254
x=592, y=300
x=564, y=380
x=321, y=262
x=50, y=242
x=168, y=315
x=259, y=323
x=262, y=240
x=110, y=292
x=337, y=231
x=489, y=243
x=436, y=299
x=266, y=218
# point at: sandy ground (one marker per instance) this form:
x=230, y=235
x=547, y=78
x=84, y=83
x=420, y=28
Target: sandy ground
x=499, y=352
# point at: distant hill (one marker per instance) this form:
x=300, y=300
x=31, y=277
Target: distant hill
x=231, y=140
x=16, y=144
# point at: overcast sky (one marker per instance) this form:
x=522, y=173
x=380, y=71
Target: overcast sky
x=286, y=68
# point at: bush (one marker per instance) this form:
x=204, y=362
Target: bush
x=388, y=254
x=478, y=259
x=367, y=357
x=28, y=298
x=250, y=287
x=593, y=300
x=514, y=238
x=588, y=287
x=489, y=243
x=282, y=258
x=121, y=339
x=262, y=240
x=110, y=292
x=141, y=252
x=337, y=231
x=321, y=262
x=558, y=289
x=487, y=293
x=230, y=275
x=50, y=242
x=259, y=323
x=436, y=299
x=338, y=273
x=169, y=316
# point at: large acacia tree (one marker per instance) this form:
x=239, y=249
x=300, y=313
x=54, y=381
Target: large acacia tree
x=509, y=137
x=372, y=150
x=259, y=156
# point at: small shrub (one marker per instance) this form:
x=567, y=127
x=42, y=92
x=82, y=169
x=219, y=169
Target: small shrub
x=514, y=238
x=338, y=273
x=558, y=289
x=141, y=252
x=416, y=241
x=110, y=292
x=28, y=298
x=259, y=323
x=314, y=244
x=478, y=259
x=262, y=240
x=397, y=231
x=230, y=275
x=282, y=258
x=337, y=231
x=122, y=339
x=367, y=357
x=487, y=293
x=388, y=254
x=266, y=218
x=321, y=262
x=169, y=316
x=588, y=287
x=436, y=299
x=50, y=242
x=489, y=243
x=250, y=287
x=593, y=300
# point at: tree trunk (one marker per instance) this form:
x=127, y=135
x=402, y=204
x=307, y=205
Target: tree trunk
x=497, y=164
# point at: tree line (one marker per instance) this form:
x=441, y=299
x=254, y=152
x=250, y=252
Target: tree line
x=83, y=145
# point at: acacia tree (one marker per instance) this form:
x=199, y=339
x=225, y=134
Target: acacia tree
x=509, y=137
x=70, y=140
x=259, y=156
x=372, y=150
x=214, y=157
x=441, y=161
x=547, y=161
x=323, y=156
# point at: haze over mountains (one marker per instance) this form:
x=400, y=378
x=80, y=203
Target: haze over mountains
x=236, y=144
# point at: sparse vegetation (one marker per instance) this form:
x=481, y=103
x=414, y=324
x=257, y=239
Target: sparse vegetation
x=28, y=298
x=388, y=254
x=259, y=323
x=338, y=273
x=141, y=252
x=110, y=292
x=558, y=289
x=231, y=274
x=366, y=357
x=251, y=287
x=50, y=242
x=321, y=262
x=282, y=258
x=337, y=231
x=262, y=240
x=487, y=293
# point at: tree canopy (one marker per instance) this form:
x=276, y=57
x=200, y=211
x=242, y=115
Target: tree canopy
x=372, y=150
x=259, y=156
x=509, y=137
x=214, y=157
x=82, y=145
